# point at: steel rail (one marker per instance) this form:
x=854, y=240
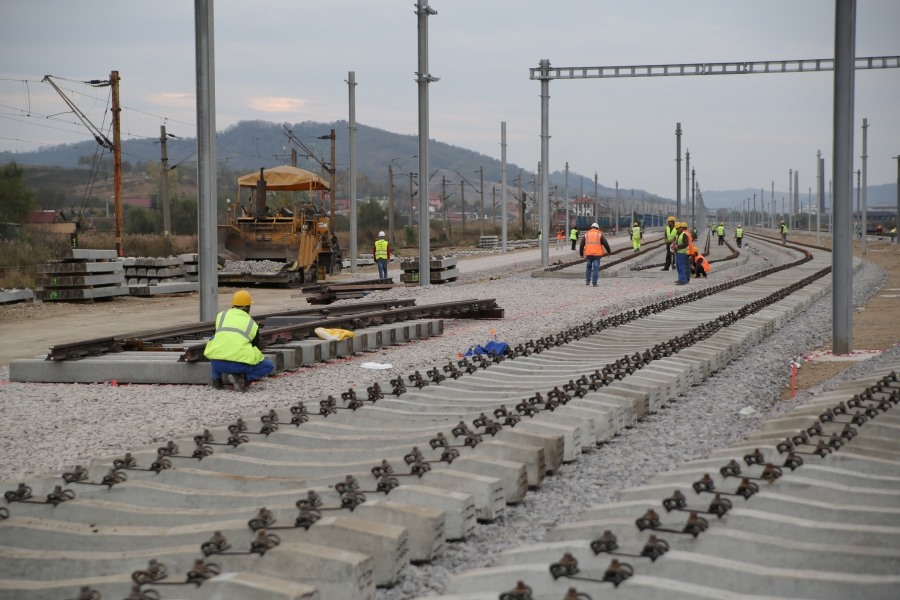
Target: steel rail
x=146, y=339
x=461, y=309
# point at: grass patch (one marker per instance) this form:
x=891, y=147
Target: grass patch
x=19, y=258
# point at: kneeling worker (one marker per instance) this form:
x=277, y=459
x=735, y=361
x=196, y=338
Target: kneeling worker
x=234, y=348
x=700, y=264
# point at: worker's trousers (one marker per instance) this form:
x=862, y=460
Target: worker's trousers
x=251, y=372
x=591, y=269
x=382, y=268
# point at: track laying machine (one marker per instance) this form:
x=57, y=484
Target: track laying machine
x=300, y=238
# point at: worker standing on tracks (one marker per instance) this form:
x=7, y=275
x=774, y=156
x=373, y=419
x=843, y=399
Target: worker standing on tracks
x=699, y=264
x=573, y=236
x=234, y=349
x=560, y=238
x=636, y=236
x=893, y=233
x=739, y=235
x=382, y=255
x=671, y=232
x=592, y=248
x=720, y=231
x=784, y=230
x=683, y=247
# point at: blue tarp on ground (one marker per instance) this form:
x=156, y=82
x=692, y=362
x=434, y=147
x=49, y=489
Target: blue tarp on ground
x=498, y=348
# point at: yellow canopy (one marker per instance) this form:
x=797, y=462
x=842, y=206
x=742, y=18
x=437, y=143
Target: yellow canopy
x=285, y=178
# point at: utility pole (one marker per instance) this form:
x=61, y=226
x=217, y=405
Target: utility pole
x=693, y=197
x=857, y=194
x=566, y=194
x=411, y=198
x=865, y=131
x=687, y=180
x=775, y=206
x=443, y=206
x=618, y=207
x=351, y=126
x=332, y=171
x=791, y=190
x=391, y=204
x=809, y=210
x=481, y=214
x=462, y=203
x=795, y=202
x=503, y=173
x=493, y=205
x=423, y=79
x=820, y=192
x=117, y=158
x=164, y=181
x=596, y=216
x=677, y=171
x=522, y=204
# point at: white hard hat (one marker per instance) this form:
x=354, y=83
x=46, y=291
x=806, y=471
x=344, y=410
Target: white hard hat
x=380, y=234
x=594, y=226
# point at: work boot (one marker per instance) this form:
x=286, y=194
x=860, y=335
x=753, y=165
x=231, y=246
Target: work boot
x=664, y=269
x=216, y=383
x=239, y=382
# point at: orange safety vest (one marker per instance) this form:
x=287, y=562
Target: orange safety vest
x=593, y=246
x=703, y=262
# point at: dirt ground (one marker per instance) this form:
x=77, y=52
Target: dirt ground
x=30, y=329
x=875, y=326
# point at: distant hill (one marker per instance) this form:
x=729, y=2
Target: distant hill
x=249, y=145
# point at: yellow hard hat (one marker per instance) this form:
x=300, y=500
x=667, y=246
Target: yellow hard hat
x=671, y=218
x=241, y=298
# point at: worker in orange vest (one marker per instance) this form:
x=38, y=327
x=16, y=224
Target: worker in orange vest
x=560, y=239
x=700, y=265
x=593, y=246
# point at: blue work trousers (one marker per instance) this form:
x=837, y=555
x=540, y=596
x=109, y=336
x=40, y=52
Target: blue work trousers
x=591, y=269
x=683, y=267
x=382, y=268
x=251, y=372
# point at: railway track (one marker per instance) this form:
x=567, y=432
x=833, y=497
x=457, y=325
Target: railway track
x=331, y=500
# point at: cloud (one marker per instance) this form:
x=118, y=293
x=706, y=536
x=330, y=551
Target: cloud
x=278, y=104
x=173, y=99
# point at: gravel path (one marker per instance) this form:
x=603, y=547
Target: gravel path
x=51, y=427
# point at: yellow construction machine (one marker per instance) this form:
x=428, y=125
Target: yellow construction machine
x=298, y=237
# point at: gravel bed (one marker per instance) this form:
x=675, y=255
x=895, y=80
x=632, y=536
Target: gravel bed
x=49, y=428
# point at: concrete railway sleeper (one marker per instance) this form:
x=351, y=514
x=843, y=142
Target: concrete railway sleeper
x=505, y=440
x=796, y=540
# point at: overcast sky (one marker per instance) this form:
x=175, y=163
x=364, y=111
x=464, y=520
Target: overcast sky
x=288, y=60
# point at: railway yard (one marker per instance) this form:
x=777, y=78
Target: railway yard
x=639, y=441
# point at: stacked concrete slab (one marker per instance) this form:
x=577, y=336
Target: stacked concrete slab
x=151, y=276
x=82, y=275
x=442, y=269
